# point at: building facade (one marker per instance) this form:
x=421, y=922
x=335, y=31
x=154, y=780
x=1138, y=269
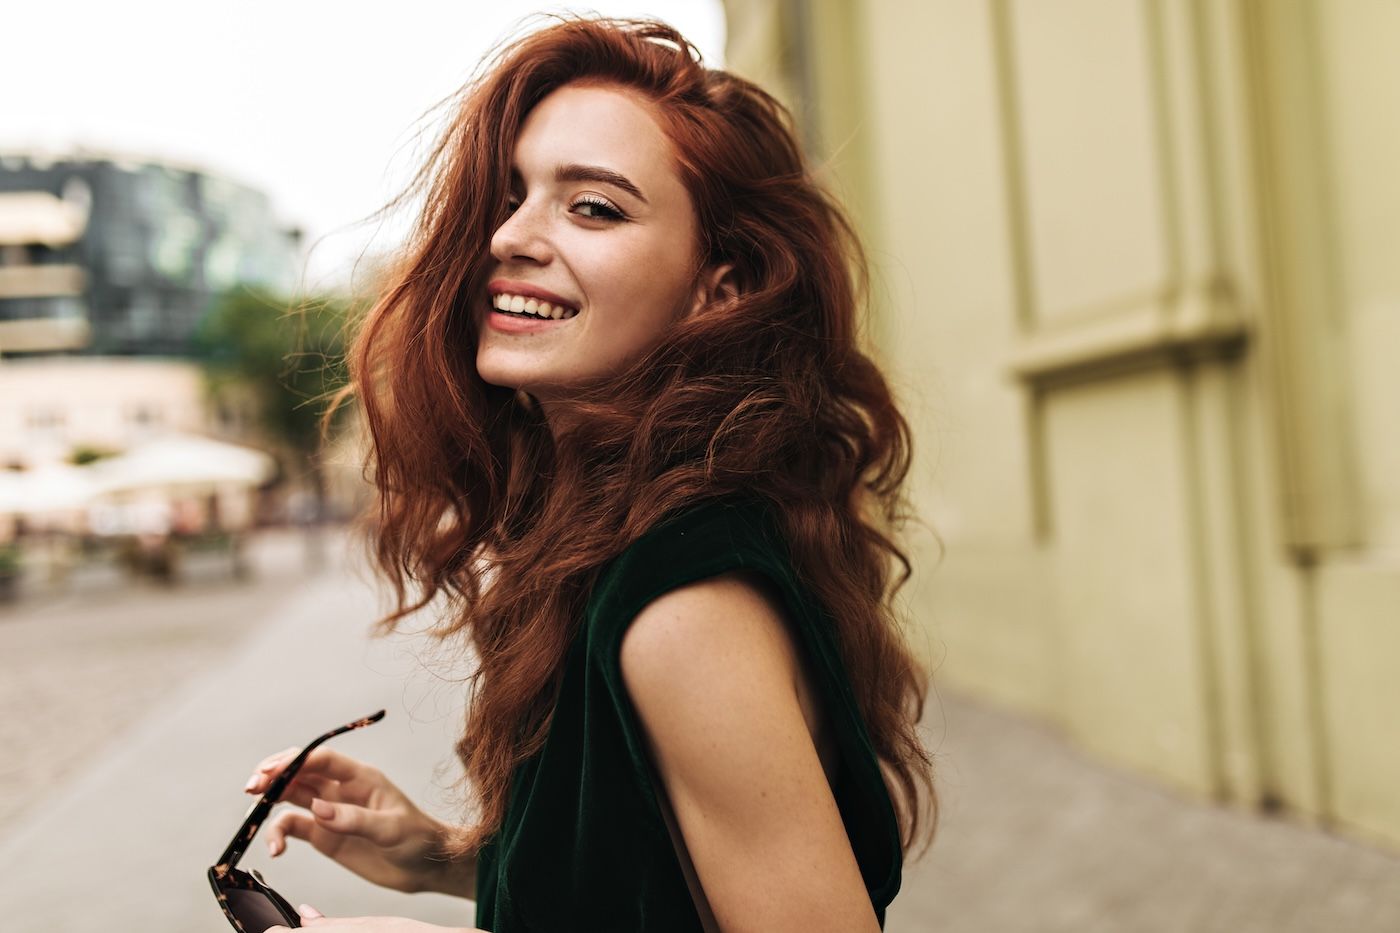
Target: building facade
x=53, y=406
x=1135, y=282
x=102, y=254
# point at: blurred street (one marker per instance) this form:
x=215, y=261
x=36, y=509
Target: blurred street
x=135, y=715
x=83, y=665
x=150, y=708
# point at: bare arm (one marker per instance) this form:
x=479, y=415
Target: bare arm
x=712, y=669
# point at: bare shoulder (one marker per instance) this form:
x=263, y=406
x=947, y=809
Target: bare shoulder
x=734, y=620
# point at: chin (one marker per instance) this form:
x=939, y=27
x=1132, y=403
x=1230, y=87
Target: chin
x=520, y=382
x=491, y=370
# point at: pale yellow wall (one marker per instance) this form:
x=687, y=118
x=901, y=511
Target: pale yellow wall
x=948, y=289
x=1359, y=46
x=1358, y=589
x=1137, y=288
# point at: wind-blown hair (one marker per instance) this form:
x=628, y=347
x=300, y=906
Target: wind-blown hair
x=767, y=392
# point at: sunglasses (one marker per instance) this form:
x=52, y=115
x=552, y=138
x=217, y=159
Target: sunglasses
x=250, y=905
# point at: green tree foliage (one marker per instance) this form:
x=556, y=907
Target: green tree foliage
x=84, y=454
x=288, y=358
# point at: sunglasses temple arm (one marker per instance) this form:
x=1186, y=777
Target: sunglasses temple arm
x=253, y=821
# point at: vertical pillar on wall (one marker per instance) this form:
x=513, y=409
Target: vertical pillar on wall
x=829, y=83
x=1301, y=315
x=1019, y=249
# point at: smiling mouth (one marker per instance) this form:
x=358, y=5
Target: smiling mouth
x=530, y=308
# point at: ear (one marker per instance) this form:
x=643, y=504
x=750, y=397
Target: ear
x=716, y=283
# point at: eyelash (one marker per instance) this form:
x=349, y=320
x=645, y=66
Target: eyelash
x=609, y=213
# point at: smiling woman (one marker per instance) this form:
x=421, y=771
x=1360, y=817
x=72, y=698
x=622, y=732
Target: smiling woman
x=623, y=425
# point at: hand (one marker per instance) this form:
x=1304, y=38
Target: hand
x=311, y=917
x=361, y=820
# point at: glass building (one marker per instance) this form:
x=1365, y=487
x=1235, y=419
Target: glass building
x=110, y=255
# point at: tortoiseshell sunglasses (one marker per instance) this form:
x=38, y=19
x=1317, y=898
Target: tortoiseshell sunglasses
x=250, y=905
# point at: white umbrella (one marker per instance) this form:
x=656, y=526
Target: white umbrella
x=11, y=492
x=182, y=461
x=54, y=487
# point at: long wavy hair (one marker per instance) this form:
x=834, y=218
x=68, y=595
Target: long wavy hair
x=481, y=506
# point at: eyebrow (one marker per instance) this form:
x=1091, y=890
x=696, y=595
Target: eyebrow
x=573, y=171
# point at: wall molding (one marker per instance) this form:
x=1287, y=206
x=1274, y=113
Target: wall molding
x=1200, y=323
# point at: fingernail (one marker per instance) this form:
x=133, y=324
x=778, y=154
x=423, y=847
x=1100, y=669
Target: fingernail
x=271, y=847
x=309, y=912
x=321, y=808
x=252, y=782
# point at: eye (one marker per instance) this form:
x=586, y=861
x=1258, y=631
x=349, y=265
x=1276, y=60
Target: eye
x=600, y=208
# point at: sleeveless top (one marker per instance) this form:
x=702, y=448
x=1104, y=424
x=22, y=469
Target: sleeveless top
x=584, y=845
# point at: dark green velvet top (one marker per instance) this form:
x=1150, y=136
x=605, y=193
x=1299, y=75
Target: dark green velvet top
x=584, y=845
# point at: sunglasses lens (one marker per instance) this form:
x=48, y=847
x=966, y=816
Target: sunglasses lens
x=254, y=910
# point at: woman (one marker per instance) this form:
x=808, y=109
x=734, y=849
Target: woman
x=617, y=378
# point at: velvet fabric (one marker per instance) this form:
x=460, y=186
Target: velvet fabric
x=584, y=845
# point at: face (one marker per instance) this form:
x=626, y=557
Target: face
x=601, y=223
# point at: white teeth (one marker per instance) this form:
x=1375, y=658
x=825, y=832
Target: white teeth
x=520, y=304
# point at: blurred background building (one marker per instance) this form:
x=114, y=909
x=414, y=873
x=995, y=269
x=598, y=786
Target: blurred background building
x=107, y=254
x=51, y=406
x=1136, y=280
x=117, y=400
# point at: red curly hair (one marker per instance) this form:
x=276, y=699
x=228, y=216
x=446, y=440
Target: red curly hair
x=767, y=392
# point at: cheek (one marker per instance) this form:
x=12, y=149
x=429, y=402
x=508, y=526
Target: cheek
x=632, y=321
x=639, y=290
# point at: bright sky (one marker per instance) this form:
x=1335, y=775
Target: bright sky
x=316, y=102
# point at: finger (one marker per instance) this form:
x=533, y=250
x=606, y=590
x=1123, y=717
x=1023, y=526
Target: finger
x=299, y=784
x=308, y=912
x=301, y=791
x=285, y=755
x=375, y=825
x=269, y=768
x=295, y=823
x=322, y=762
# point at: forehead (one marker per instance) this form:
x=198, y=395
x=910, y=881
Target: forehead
x=599, y=125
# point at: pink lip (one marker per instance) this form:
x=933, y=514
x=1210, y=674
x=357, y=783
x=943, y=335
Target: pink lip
x=526, y=290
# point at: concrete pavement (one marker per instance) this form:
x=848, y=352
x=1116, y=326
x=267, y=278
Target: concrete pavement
x=83, y=663
x=124, y=844
x=1036, y=838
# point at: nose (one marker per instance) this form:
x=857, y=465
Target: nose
x=522, y=236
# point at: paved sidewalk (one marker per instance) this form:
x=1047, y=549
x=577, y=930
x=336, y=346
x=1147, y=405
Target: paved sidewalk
x=124, y=846
x=1035, y=838
x=81, y=665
